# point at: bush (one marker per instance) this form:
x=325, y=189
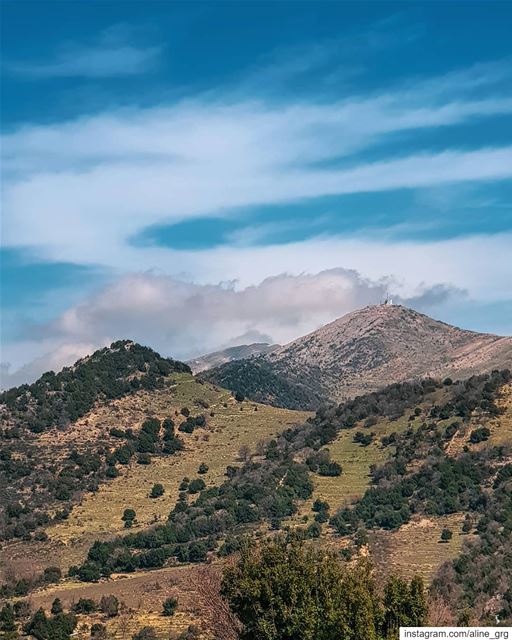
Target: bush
x=329, y=469
x=196, y=485
x=169, y=606
x=446, y=535
x=128, y=518
x=203, y=468
x=57, y=606
x=98, y=631
x=22, y=608
x=146, y=633
x=479, y=435
x=52, y=574
x=157, y=490
x=89, y=572
x=85, y=605
x=109, y=605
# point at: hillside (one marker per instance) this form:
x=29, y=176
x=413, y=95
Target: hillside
x=428, y=479
x=384, y=475
x=359, y=353
x=218, y=358
x=70, y=483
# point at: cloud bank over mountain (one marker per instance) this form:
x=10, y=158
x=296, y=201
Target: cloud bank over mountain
x=185, y=319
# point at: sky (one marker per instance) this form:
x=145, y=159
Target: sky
x=197, y=175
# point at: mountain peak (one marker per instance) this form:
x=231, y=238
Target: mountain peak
x=371, y=347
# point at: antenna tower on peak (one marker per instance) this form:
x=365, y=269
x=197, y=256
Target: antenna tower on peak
x=388, y=301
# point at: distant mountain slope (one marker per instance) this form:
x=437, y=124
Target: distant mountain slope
x=75, y=433
x=361, y=352
x=241, y=352
x=56, y=399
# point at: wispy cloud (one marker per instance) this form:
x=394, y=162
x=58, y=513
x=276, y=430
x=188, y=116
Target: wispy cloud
x=112, y=54
x=80, y=190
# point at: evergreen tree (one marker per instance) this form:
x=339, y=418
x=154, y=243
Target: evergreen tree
x=286, y=589
x=56, y=606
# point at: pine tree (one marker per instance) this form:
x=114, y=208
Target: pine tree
x=56, y=606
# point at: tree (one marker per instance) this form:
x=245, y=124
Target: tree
x=196, y=485
x=85, y=605
x=157, y=490
x=169, y=606
x=467, y=524
x=405, y=605
x=128, y=518
x=22, y=608
x=446, y=535
x=203, y=468
x=57, y=606
x=205, y=583
x=281, y=590
x=7, y=621
x=89, y=572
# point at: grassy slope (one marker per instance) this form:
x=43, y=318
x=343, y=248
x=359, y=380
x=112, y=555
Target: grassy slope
x=415, y=548
x=99, y=514
x=140, y=595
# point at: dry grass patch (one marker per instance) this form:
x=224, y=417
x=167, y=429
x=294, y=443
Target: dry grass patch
x=415, y=548
x=140, y=595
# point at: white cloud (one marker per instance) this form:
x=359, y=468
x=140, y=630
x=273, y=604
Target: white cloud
x=79, y=190
x=111, y=55
x=184, y=319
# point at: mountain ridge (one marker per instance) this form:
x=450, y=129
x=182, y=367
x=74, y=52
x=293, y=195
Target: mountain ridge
x=222, y=356
x=364, y=351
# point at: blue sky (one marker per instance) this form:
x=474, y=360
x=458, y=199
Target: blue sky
x=199, y=174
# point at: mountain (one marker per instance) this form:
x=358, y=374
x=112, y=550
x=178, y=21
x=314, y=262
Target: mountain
x=126, y=464
x=359, y=353
x=240, y=352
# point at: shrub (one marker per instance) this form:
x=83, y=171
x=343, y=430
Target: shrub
x=196, y=485
x=157, y=490
x=446, y=535
x=85, y=605
x=329, y=469
x=128, y=518
x=109, y=605
x=143, y=458
x=479, y=435
x=52, y=574
x=98, y=631
x=169, y=606
x=203, y=468
x=146, y=633
x=89, y=572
